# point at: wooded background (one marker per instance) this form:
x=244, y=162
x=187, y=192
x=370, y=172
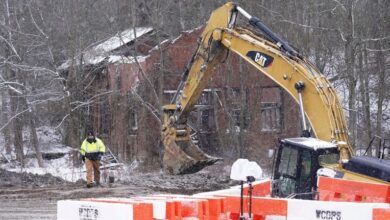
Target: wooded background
x=349, y=41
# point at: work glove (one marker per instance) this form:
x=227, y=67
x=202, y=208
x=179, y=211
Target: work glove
x=100, y=155
x=83, y=158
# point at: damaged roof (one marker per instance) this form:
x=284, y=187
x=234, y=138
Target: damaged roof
x=104, y=51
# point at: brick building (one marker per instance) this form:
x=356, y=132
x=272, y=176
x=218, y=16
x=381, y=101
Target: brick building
x=241, y=114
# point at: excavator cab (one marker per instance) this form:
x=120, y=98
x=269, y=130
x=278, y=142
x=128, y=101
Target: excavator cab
x=296, y=163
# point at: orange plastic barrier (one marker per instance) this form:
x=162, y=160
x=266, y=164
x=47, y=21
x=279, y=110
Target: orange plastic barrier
x=186, y=207
x=193, y=207
x=381, y=214
x=332, y=189
x=173, y=210
x=217, y=208
x=261, y=207
x=197, y=207
x=259, y=189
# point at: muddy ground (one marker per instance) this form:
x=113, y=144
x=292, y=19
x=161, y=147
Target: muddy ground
x=29, y=196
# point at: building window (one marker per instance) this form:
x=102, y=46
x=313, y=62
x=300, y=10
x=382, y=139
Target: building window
x=201, y=118
x=118, y=80
x=104, y=122
x=204, y=118
x=204, y=99
x=235, y=114
x=234, y=96
x=236, y=121
x=270, y=117
x=133, y=121
x=237, y=102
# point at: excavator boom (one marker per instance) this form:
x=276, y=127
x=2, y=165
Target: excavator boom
x=181, y=155
x=272, y=57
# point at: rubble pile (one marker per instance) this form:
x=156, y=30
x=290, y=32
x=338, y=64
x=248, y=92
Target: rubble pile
x=12, y=179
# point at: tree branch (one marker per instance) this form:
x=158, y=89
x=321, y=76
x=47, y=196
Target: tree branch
x=16, y=115
x=35, y=23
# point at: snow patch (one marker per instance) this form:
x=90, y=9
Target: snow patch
x=159, y=45
x=61, y=167
x=120, y=39
x=49, y=142
x=123, y=59
x=101, y=52
x=185, y=32
x=312, y=143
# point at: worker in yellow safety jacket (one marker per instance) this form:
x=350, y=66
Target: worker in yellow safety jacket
x=91, y=151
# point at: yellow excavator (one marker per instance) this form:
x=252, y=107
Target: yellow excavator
x=298, y=160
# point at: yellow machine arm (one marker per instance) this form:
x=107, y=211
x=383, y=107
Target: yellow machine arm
x=274, y=58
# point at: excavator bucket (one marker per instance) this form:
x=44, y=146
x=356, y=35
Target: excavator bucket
x=181, y=154
x=185, y=157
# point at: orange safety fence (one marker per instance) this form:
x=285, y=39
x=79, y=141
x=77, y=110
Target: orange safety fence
x=262, y=188
x=261, y=207
x=332, y=189
x=217, y=208
x=199, y=207
x=185, y=206
x=381, y=214
x=173, y=209
x=226, y=207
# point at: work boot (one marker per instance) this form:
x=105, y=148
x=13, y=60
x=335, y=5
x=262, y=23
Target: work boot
x=89, y=185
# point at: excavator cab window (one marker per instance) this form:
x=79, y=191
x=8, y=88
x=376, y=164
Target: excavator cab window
x=287, y=171
x=305, y=166
x=305, y=174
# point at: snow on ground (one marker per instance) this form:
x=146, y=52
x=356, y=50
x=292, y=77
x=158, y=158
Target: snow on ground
x=49, y=142
x=61, y=167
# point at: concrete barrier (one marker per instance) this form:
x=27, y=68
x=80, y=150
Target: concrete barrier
x=325, y=210
x=87, y=210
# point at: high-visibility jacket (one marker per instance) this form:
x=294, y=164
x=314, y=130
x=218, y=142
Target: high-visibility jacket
x=94, y=147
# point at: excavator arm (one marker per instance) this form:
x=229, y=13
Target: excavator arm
x=272, y=57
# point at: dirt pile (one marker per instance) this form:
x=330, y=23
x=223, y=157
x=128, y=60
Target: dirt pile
x=12, y=179
x=206, y=180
